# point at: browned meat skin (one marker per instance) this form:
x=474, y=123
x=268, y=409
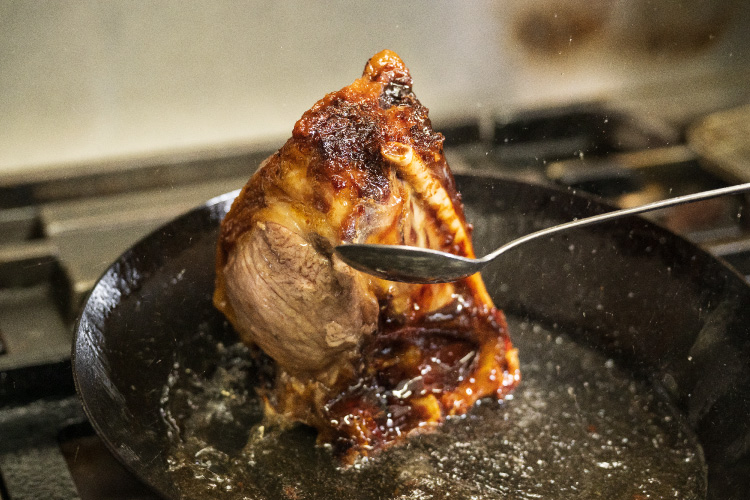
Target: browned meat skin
x=365, y=361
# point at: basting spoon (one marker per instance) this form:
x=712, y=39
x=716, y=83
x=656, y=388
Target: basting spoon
x=423, y=265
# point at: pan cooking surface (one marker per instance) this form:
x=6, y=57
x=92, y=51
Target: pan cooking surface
x=165, y=384
x=577, y=427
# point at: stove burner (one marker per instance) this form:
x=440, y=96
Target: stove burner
x=61, y=232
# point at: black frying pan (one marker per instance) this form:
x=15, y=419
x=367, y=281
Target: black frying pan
x=649, y=300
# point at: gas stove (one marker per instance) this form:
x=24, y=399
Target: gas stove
x=62, y=230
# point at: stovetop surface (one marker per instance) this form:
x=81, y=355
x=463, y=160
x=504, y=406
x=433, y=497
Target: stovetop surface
x=63, y=232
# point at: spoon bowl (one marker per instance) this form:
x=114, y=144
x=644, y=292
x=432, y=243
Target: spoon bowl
x=423, y=265
x=409, y=264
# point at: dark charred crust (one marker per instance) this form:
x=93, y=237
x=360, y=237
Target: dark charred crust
x=386, y=67
x=344, y=133
x=346, y=129
x=395, y=94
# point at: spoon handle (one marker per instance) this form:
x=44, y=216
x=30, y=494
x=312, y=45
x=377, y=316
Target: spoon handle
x=616, y=214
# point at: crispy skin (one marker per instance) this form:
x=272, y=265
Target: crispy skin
x=363, y=360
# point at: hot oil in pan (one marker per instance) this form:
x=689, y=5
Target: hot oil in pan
x=577, y=427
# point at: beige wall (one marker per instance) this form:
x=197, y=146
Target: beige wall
x=82, y=81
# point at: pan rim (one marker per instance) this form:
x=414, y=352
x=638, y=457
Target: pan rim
x=213, y=206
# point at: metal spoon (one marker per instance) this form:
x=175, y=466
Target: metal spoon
x=422, y=265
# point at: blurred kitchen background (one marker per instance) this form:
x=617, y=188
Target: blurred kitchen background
x=117, y=116
x=87, y=81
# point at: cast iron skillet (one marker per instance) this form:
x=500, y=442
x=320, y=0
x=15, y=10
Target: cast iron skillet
x=642, y=295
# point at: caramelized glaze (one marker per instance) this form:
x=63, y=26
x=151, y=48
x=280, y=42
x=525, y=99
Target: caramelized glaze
x=365, y=361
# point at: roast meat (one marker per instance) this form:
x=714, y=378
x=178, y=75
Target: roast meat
x=363, y=360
